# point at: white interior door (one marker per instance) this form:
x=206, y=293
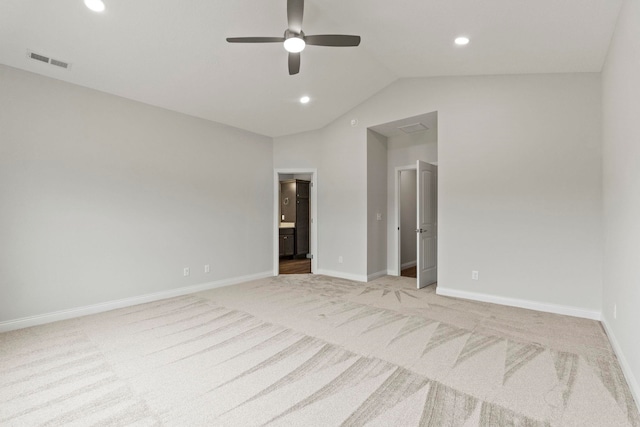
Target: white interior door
x=427, y=222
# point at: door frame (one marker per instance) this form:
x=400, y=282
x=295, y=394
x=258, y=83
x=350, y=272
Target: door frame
x=398, y=255
x=313, y=215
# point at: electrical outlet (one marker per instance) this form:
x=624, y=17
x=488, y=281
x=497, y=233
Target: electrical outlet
x=207, y=268
x=379, y=217
x=474, y=275
x=340, y=259
x=615, y=311
x=185, y=271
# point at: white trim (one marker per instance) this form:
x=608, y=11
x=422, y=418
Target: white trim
x=40, y=319
x=341, y=275
x=392, y=273
x=377, y=275
x=314, y=215
x=634, y=386
x=409, y=264
x=514, y=302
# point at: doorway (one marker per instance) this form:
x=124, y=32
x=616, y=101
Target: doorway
x=295, y=221
x=407, y=220
x=408, y=140
x=416, y=212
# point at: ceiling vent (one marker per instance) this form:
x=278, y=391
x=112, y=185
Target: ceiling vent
x=414, y=128
x=59, y=63
x=51, y=61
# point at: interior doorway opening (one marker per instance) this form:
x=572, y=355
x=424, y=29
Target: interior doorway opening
x=295, y=221
x=411, y=164
x=407, y=218
x=416, y=205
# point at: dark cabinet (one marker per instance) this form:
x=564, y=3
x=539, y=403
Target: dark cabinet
x=295, y=207
x=302, y=189
x=302, y=226
x=287, y=241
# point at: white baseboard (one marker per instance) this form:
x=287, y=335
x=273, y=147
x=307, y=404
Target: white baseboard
x=392, y=273
x=634, y=386
x=40, y=319
x=409, y=264
x=377, y=275
x=514, y=302
x=341, y=275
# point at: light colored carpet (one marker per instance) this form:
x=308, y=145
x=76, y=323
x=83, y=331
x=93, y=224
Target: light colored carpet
x=304, y=350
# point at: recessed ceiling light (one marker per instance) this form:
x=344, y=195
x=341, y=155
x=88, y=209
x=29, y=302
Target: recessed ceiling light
x=294, y=44
x=305, y=100
x=95, y=5
x=461, y=41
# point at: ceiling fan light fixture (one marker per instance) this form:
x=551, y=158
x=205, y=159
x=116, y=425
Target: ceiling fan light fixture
x=294, y=44
x=95, y=5
x=294, y=39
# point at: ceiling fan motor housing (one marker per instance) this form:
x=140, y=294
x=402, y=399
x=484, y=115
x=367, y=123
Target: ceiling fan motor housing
x=288, y=34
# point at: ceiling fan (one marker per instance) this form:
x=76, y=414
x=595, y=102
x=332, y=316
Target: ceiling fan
x=295, y=39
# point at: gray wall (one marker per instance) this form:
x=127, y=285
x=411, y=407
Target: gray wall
x=341, y=163
x=103, y=198
x=519, y=183
x=621, y=184
x=376, y=204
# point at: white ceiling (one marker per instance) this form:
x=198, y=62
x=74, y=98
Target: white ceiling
x=173, y=54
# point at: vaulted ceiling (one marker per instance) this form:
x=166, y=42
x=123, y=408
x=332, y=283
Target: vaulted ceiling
x=173, y=54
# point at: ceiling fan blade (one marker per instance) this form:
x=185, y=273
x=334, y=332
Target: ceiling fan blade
x=294, y=63
x=338, y=40
x=295, y=10
x=255, y=39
